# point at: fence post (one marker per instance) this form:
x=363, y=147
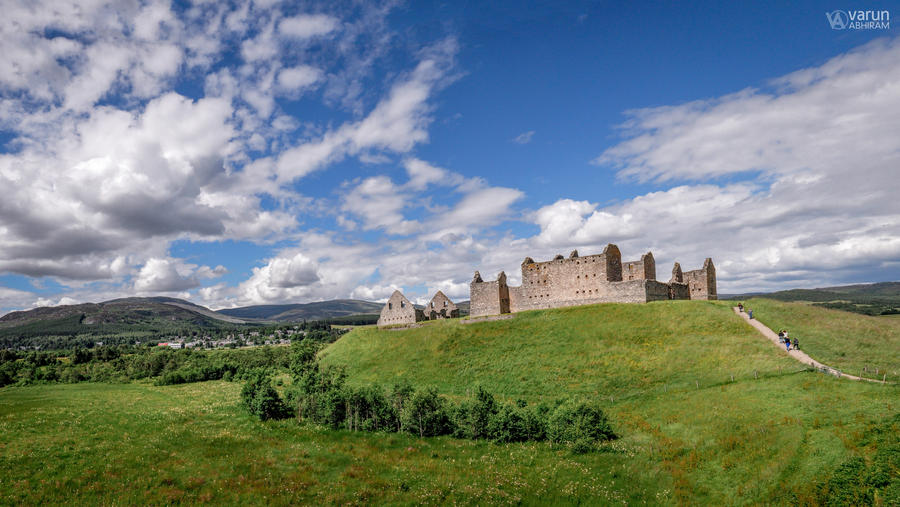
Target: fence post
x=732, y=377
x=756, y=374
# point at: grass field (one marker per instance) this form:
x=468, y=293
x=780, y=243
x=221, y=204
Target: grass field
x=689, y=434
x=599, y=350
x=850, y=342
x=138, y=444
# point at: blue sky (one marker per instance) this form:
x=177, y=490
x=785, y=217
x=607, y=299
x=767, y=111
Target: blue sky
x=275, y=152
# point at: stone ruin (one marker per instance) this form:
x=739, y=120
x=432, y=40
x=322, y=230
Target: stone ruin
x=398, y=310
x=599, y=278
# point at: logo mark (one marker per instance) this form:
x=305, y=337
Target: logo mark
x=838, y=19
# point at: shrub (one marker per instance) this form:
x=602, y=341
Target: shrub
x=508, y=425
x=320, y=397
x=261, y=399
x=425, y=414
x=368, y=409
x=578, y=421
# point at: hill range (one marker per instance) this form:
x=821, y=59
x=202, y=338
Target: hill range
x=881, y=298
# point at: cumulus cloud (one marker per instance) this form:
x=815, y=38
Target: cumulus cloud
x=822, y=146
x=12, y=299
x=293, y=80
x=115, y=162
x=379, y=203
x=306, y=26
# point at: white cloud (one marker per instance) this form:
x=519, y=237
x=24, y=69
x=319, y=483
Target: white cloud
x=12, y=299
x=379, y=203
x=396, y=124
x=296, y=271
x=824, y=210
x=294, y=80
x=65, y=300
x=306, y=26
x=524, y=137
x=378, y=293
x=421, y=174
x=481, y=208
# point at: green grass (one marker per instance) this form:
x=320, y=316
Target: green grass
x=850, y=342
x=689, y=434
x=597, y=350
x=139, y=444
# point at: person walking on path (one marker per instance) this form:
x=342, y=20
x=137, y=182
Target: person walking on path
x=750, y=313
x=741, y=307
x=796, y=344
x=787, y=342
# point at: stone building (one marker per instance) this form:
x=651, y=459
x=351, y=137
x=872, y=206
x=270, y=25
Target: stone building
x=599, y=278
x=398, y=310
x=440, y=307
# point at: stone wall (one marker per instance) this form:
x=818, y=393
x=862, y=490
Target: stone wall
x=488, y=298
x=644, y=269
x=440, y=307
x=587, y=280
x=679, y=291
x=677, y=275
x=702, y=282
x=561, y=281
x=398, y=310
x=656, y=291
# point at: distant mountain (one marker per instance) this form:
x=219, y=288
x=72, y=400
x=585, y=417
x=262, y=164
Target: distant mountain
x=115, y=317
x=882, y=290
x=881, y=298
x=320, y=310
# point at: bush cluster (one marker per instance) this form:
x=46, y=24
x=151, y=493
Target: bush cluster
x=261, y=399
x=320, y=395
x=122, y=363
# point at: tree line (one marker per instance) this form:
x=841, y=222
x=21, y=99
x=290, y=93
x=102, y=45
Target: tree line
x=320, y=395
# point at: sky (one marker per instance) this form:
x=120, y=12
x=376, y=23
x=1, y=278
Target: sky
x=260, y=152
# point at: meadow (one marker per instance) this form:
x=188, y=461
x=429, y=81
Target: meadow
x=856, y=344
x=708, y=412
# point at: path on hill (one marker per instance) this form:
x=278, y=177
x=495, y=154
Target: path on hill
x=799, y=355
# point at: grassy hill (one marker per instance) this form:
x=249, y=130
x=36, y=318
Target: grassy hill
x=611, y=349
x=857, y=344
x=690, y=433
x=320, y=310
x=665, y=372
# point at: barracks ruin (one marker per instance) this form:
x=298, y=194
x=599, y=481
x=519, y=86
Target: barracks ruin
x=599, y=278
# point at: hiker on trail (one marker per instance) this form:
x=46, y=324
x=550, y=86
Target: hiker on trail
x=796, y=344
x=781, y=336
x=787, y=342
x=740, y=307
x=750, y=314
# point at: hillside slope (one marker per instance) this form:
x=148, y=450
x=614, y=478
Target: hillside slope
x=127, y=315
x=857, y=344
x=706, y=407
x=610, y=349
